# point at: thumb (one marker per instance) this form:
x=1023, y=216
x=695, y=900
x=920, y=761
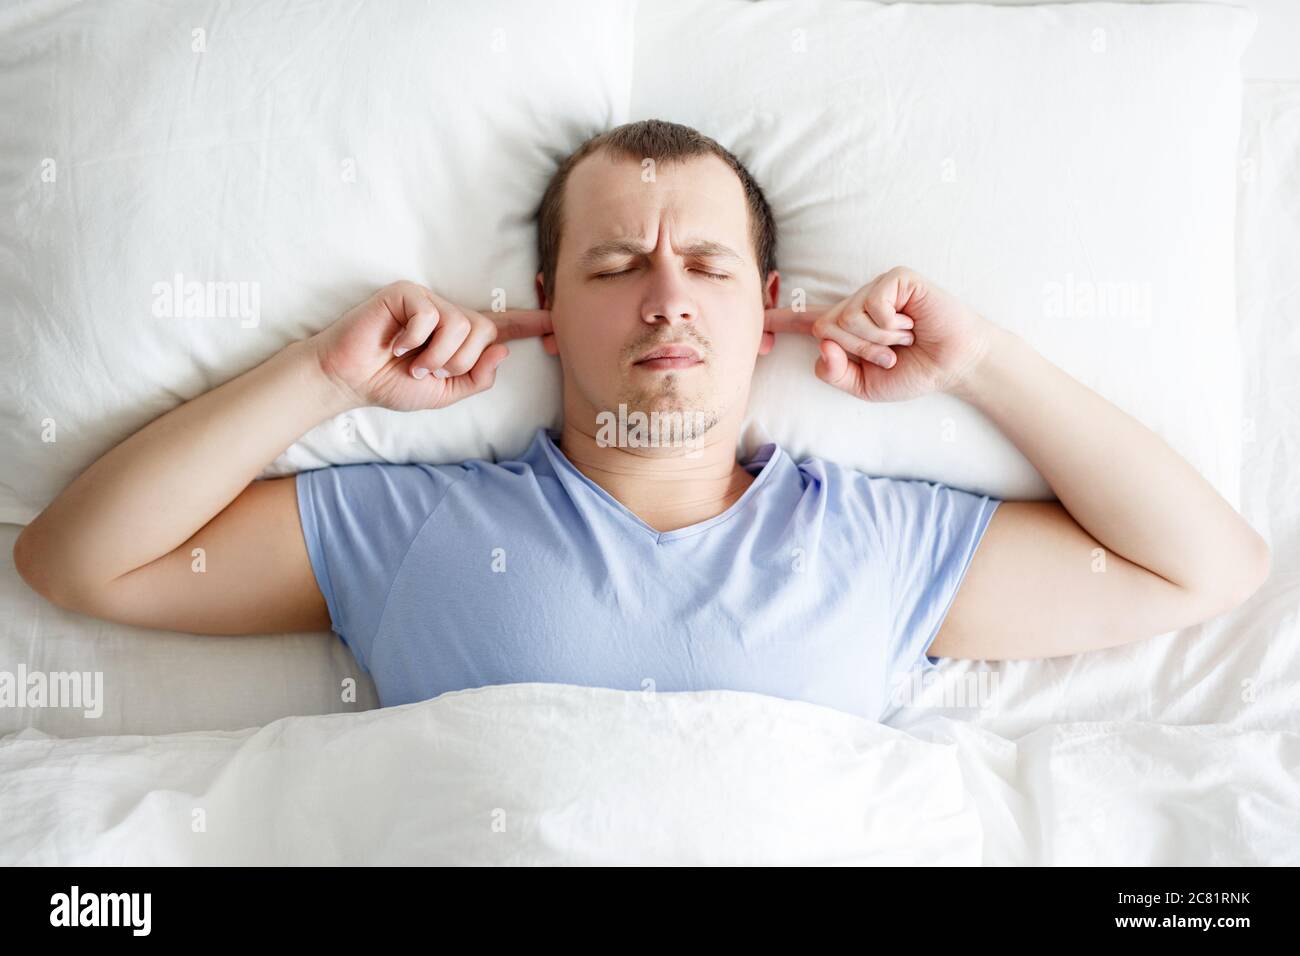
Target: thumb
x=834, y=367
x=479, y=378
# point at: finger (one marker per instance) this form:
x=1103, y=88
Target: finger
x=417, y=329
x=479, y=378
x=790, y=320
x=452, y=331
x=834, y=367
x=482, y=333
x=879, y=308
x=881, y=355
x=405, y=301
x=521, y=323
x=858, y=322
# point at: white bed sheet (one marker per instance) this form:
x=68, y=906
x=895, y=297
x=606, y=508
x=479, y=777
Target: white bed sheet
x=1218, y=786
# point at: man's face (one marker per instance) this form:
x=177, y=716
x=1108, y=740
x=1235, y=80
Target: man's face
x=643, y=265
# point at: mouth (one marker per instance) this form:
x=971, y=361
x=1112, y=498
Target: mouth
x=666, y=357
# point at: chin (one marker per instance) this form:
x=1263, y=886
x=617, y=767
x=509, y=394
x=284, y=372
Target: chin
x=664, y=401
x=658, y=420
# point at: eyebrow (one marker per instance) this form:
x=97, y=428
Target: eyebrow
x=699, y=249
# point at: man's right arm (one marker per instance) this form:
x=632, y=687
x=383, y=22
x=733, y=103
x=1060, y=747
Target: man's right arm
x=170, y=530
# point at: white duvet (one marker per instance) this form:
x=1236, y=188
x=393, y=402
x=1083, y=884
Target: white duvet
x=555, y=774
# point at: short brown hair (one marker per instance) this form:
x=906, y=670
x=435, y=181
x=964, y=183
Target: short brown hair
x=661, y=141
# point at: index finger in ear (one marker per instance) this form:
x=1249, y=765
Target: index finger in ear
x=521, y=323
x=790, y=320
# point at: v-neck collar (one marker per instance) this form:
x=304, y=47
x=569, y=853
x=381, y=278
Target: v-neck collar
x=762, y=464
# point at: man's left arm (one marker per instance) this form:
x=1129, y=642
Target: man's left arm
x=1138, y=542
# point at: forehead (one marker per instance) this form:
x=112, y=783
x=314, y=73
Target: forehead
x=700, y=199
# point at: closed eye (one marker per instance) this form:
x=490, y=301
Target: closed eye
x=623, y=272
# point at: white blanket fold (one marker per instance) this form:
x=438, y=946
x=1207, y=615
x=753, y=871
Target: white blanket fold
x=557, y=774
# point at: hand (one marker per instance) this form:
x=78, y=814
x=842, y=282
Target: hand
x=388, y=350
x=898, y=337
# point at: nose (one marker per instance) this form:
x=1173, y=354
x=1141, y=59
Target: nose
x=668, y=299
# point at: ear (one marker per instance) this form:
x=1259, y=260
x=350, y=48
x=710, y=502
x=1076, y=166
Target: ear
x=771, y=295
x=548, y=341
x=772, y=289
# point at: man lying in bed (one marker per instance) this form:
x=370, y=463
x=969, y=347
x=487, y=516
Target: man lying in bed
x=595, y=558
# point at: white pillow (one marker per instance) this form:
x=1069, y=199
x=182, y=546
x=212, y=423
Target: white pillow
x=311, y=153
x=1021, y=157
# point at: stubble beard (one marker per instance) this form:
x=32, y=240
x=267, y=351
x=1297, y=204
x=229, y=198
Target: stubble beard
x=666, y=397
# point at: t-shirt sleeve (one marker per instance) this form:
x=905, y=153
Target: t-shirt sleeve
x=925, y=535
x=358, y=522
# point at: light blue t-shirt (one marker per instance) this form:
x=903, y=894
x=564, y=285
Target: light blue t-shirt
x=820, y=583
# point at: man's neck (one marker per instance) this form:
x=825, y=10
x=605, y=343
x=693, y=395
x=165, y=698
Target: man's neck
x=664, y=487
